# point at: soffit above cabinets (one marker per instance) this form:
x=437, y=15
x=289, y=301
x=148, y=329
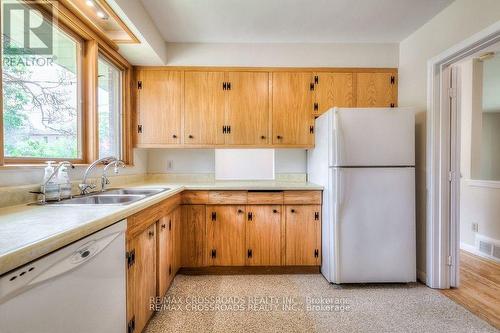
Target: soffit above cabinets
x=102, y=18
x=290, y=21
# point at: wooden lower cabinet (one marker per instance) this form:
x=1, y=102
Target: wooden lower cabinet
x=176, y=240
x=141, y=277
x=226, y=235
x=303, y=235
x=263, y=235
x=165, y=239
x=193, y=237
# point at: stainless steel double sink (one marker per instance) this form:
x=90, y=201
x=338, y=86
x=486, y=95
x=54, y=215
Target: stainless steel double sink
x=120, y=197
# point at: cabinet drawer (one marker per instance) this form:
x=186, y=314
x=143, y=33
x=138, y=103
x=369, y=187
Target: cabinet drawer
x=194, y=197
x=302, y=197
x=227, y=197
x=265, y=198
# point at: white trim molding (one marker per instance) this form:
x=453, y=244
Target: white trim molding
x=483, y=183
x=442, y=221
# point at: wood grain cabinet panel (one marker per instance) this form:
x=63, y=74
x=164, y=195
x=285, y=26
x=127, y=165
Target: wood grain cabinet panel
x=141, y=277
x=159, y=108
x=302, y=197
x=376, y=90
x=176, y=240
x=165, y=272
x=303, y=235
x=247, y=108
x=332, y=90
x=193, y=236
x=263, y=235
x=227, y=197
x=226, y=235
x=204, y=106
x=292, y=120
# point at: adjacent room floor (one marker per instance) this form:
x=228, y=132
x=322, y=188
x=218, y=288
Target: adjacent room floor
x=306, y=303
x=479, y=287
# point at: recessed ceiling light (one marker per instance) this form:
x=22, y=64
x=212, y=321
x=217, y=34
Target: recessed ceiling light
x=89, y=3
x=101, y=14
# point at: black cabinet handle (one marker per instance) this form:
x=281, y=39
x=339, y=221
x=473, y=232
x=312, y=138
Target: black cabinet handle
x=262, y=137
x=275, y=211
x=174, y=136
x=292, y=210
x=190, y=136
x=240, y=211
x=279, y=137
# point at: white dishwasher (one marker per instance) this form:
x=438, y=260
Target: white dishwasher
x=80, y=288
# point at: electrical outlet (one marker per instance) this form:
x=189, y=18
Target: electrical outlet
x=475, y=227
x=170, y=165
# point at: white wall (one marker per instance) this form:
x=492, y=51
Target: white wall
x=25, y=175
x=460, y=20
x=283, y=54
x=203, y=161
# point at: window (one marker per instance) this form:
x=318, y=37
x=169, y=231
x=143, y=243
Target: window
x=41, y=96
x=109, y=108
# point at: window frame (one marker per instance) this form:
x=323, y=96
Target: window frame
x=92, y=45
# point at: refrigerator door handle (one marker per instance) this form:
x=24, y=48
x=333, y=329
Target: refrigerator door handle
x=337, y=136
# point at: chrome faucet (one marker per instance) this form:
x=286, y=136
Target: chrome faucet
x=104, y=178
x=110, y=160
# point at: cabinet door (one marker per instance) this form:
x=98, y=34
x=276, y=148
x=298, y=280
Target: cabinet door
x=159, y=107
x=176, y=240
x=193, y=236
x=292, y=100
x=332, y=89
x=226, y=235
x=141, y=277
x=263, y=235
x=303, y=235
x=164, y=250
x=247, y=108
x=376, y=90
x=204, y=104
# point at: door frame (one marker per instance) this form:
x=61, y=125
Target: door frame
x=443, y=160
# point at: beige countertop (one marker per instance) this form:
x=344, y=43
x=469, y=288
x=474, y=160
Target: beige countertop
x=29, y=232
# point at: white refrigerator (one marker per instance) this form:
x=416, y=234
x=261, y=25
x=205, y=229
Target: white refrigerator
x=365, y=160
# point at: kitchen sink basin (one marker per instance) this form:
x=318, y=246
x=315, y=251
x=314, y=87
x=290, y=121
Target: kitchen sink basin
x=135, y=191
x=102, y=200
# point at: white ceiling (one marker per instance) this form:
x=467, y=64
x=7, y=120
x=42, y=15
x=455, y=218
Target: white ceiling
x=290, y=21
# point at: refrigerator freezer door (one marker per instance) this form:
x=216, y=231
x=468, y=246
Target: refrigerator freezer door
x=375, y=225
x=373, y=137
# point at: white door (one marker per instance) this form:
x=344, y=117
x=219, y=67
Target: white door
x=374, y=225
x=373, y=137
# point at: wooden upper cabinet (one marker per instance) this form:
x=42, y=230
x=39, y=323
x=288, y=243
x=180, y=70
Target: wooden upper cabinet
x=332, y=90
x=226, y=235
x=376, y=89
x=159, y=95
x=247, y=108
x=204, y=104
x=292, y=100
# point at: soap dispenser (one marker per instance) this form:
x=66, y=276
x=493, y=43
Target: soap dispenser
x=49, y=183
x=64, y=182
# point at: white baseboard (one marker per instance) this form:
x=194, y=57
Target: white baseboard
x=472, y=249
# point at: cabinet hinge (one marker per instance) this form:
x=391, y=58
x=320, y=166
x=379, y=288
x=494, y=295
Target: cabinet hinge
x=214, y=253
x=316, y=253
x=224, y=129
x=139, y=128
x=214, y=216
x=449, y=261
x=392, y=105
x=170, y=225
x=316, y=106
x=224, y=86
x=451, y=176
x=139, y=84
x=311, y=129
x=229, y=129
x=130, y=256
x=393, y=79
x=229, y=86
x=316, y=216
x=131, y=325
x=452, y=92
x=169, y=269
x=250, y=216
x=249, y=254
x=311, y=87
x=316, y=79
